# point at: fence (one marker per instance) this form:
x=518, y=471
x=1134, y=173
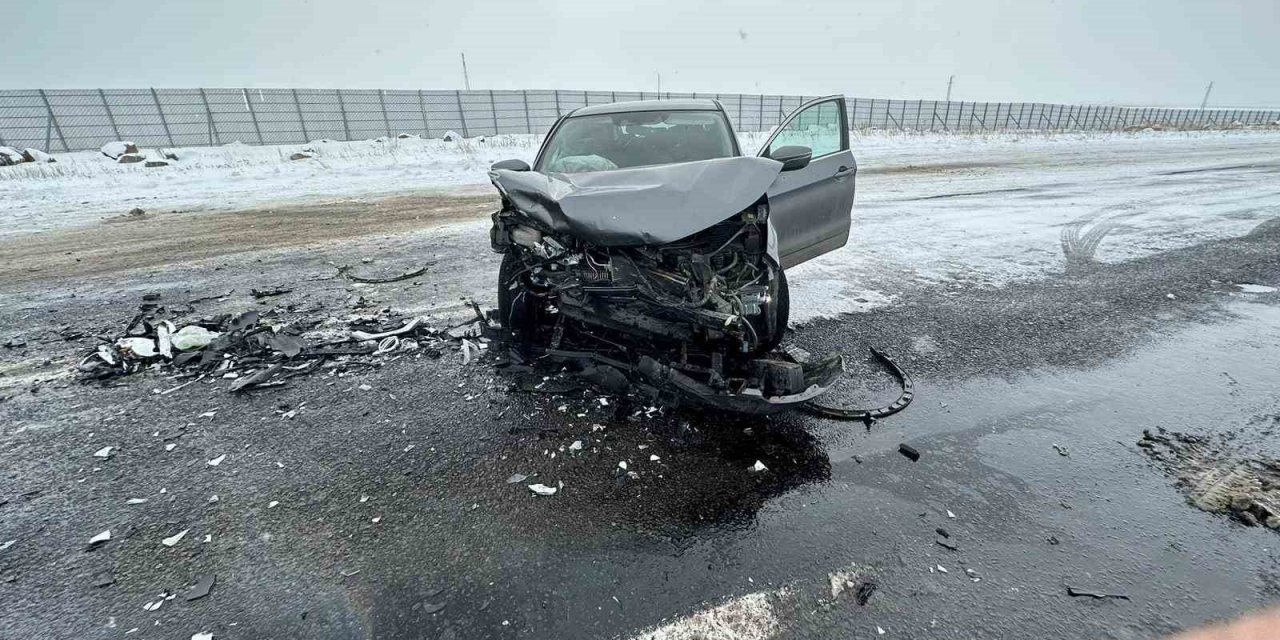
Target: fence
x=68, y=120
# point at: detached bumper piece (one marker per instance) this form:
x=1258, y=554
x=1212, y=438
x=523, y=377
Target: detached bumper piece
x=780, y=384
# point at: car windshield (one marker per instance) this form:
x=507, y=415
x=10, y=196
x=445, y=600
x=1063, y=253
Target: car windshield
x=637, y=139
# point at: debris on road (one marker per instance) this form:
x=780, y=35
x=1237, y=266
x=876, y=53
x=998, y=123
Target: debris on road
x=217, y=461
x=1080, y=593
x=175, y=538
x=909, y=451
x=542, y=489
x=515, y=478
x=99, y=539
x=758, y=467
x=201, y=588
x=1216, y=477
x=104, y=452
x=263, y=349
x=1062, y=451
x=345, y=271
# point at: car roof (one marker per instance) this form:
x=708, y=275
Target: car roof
x=690, y=104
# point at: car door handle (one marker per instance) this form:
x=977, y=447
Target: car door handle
x=843, y=170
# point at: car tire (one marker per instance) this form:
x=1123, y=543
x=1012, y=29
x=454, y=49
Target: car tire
x=781, y=314
x=515, y=311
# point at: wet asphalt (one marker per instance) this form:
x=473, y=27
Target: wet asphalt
x=394, y=517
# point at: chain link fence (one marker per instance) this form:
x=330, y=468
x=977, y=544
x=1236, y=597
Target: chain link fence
x=77, y=119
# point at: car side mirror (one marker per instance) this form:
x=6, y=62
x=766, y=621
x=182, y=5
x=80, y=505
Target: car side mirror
x=512, y=165
x=792, y=157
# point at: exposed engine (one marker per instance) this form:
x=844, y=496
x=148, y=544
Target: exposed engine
x=696, y=317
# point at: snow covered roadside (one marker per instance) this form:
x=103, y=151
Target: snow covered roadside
x=85, y=187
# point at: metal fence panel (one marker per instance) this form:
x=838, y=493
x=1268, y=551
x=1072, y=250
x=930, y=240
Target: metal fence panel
x=74, y=119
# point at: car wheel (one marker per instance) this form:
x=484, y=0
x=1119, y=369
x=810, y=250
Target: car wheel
x=516, y=309
x=781, y=314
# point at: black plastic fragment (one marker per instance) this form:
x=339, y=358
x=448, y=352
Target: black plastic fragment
x=864, y=592
x=1080, y=593
x=909, y=451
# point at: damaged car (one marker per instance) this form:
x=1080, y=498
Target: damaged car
x=645, y=246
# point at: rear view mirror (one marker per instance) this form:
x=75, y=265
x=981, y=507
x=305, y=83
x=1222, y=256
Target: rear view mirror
x=510, y=165
x=792, y=157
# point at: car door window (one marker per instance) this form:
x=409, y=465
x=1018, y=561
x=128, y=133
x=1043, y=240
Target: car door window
x=817, y=127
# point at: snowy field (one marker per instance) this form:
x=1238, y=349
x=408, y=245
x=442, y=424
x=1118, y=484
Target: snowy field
x=938, y=209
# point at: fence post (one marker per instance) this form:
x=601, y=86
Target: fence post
x=248, y=105
x=208, y=116
x=422, y=105
x=946, y=125
x=302, y=122
x=528, y=128
x=106, y=106
x=760, y=114
x=462, y=116
x=54, y=121
x=493, y=111
x=342, y=107
x=382, y=100
x=854, y=119
x=919, y=108
x=557, y=94
x=740, y=122
x=163, y=121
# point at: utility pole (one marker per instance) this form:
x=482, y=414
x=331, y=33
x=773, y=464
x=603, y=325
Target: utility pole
x=1205, y=102
x=949, y=81
x=659, y=85
x=465, y=78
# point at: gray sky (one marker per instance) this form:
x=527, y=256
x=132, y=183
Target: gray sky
x=1158, y=52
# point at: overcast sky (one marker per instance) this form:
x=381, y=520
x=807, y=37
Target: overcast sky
x=1159, y=52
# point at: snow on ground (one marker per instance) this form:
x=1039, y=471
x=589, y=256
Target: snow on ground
x=931, y=208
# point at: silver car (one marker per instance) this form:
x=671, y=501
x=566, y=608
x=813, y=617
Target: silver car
x=643, y=245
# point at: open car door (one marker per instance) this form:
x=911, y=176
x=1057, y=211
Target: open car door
x=811, y=206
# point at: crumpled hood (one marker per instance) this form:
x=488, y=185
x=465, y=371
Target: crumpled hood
x=643, y=206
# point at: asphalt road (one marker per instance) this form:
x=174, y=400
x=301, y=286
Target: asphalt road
x=382, y=508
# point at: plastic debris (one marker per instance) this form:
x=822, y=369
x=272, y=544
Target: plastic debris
x=909, y=451
x=100, y=538
x=949, y=514
x=135, y=500
x=202, y=636
x=174, y=539
x=104, y=452
x=758, y=467
x=653, y=458
x=942, y=569
x=514, y=479
x=217, y=461
x=1078, y=593
x=361, y=336
x=201, y=588
x=137, y=347
x=7, y=544
x=576, y=446
x=192, y=337
x=542, y=489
